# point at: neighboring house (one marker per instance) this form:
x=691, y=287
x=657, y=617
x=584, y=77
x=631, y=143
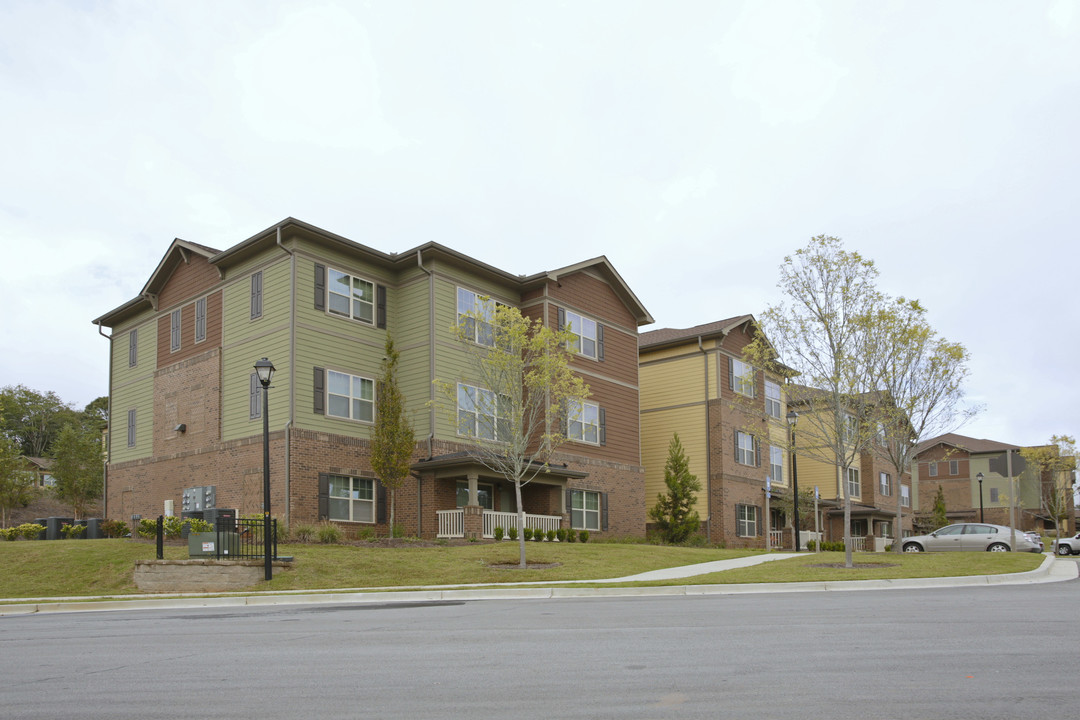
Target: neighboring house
x=954, y=462
x=41, y=468
x=730, y=418
x=186, y=406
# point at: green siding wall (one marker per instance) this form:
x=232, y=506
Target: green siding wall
x=133, y=388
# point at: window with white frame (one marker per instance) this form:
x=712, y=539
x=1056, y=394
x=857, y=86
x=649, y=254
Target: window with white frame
x=853, y=484
x=350, y=396
x=745, y=448
x=584, y=510
x=884, y=529
x=174, y=330
x=954, y=467
x=352, y=499
x=931, y=469
x=776, y=463
x=585, y=334
x=482, y=413
x=476, y=317
x=851, y=428
x=200, y=319
x=882, y=435
x=746, y=520
x=350, y=296
x=742, y=377
x=772, y=399
x=485, y=494
x=884, y=483
x=905, y=496
x=133, y=348
x=583, y=422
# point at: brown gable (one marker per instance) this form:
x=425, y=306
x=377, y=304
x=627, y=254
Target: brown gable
x=188, y=280
x=665, y=336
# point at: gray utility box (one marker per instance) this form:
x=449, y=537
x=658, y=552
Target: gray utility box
x=206, y=544
x=54, y=527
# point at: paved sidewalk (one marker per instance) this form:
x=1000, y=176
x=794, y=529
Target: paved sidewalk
x=1051, y=570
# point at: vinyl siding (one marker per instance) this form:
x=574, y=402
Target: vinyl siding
x=657, y=429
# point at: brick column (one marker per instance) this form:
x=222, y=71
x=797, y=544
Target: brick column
x=473, y=521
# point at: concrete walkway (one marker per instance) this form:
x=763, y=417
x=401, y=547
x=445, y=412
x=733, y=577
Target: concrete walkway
x=1051, y=570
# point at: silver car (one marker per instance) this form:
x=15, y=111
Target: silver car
x=970, y=537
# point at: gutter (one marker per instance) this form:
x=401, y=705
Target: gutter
x=708, y=444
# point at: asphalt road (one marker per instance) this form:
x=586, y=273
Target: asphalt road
x=968, y=652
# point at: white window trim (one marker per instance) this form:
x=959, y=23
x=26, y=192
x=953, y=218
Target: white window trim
x=353, y=502
x=579, y=497
x=885, y=484
x=746, y=526
x=742, y=377
x=350, y=396
x=578, y=325
x=739, y=455
x=853, y=478
x=483, y=315
x=931, y=469
x=905, y=496
x=497, y=419
x=954, y=467
x=771, y=401
x=777, y=477
x=578, y=413
x=351, y=297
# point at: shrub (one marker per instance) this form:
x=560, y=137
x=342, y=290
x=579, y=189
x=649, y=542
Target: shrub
x=196, y=525
x=173, y=527
x=148, y=527
x=584, y=536
x=551, y=535
x=527, y=534
x=72, y=531
x=115, y=528
x=329, y=533
x=811, y=544
x=511, y=533
x=303, y=533
x=571, y=535
x=498, y=533
x=367, y=534
x=560, y=534
x=9, y=533
x=29, y=531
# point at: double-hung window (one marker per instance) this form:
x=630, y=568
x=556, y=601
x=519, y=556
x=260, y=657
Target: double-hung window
x=352, y=499
x=350, y=396
x=742, y=377
x=482, y=413
x=884, y=483
x=200, y=320
x=584, y=510
x=905, y=496
x=350, y=296
x=745, y=448
x=954, y=467
x=746, y=520
x=851, y=429
x=583, y=422
x=854, y=486
x=476, y=317
x=772, y=399
x=931, y=469
x=174, y=330
x=776, y=463
x=585, y=334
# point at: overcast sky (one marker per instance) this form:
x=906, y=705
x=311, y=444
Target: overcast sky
x=694, y=144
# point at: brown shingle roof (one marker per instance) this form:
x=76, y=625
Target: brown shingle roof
x=663, y=336
x=972, y=445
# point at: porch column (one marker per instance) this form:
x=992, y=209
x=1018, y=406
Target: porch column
x=473, y=514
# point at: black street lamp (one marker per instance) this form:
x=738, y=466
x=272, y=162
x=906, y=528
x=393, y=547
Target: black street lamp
x=265, y=370
x=792, y=418
x=979, y=477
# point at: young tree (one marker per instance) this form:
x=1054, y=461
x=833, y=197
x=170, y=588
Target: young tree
x=392, y=441
x=1053, y=465
x=525, y=383
x=674, y=513
x=941, y=518
x=920, y=377
x=822, y=332
x=79, y=467
x=16, y=484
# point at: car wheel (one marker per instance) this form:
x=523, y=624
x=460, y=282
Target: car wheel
x=998, y=547
x=1063, y=549
x=913, y=547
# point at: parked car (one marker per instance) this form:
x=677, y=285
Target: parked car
x=971, y=537
x=1068, y=546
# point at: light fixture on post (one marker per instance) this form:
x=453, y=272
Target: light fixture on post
x=979, y=477
x=264, y=369
x=792, y=418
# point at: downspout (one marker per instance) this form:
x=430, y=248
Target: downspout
x=108, y=435
x=419, y=505
x=708, y=446
x=292, y=377
x=431, y=352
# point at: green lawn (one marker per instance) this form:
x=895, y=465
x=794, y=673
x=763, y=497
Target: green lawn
x=67, y=568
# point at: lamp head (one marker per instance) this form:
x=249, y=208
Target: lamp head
x=265, y=370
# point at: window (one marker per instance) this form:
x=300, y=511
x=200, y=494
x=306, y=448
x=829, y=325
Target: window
x=905, y=496
x=350, y=397
x=583, y=423
x=588, y=335
x=476, y=315
x=776, y=463
x=954, y=467
x=352, y=499
x=858, y=527
x=174, y=331
x=742, y=377
x=200, y=319
x=584, y=510
x=746, y=520
x=131, y=428
x=851, y=429
x=255, y=398
x=882, y=435
x=884, y=529
x=772, y=399
x=133, y=348
x=350, y=296
x=485, y=493
x=931, y=469
x=884, y=484
x=481, y=414
x=256, y=295
x=745, y=448
x=994, y=495
x=853, y=484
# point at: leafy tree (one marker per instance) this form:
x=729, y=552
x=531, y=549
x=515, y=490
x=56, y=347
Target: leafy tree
x=79, y=467
x=96, y=413
x=16, y=484
x=674, y=513
x=525, y=383
x=33, y=419
x=392, y=441
x=823, y=333
x=920, y=376
x=1053, y=465
x=941, y=519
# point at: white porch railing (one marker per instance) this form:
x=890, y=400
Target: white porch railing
x=452, y=522
x=776, y=539
x=858, y=544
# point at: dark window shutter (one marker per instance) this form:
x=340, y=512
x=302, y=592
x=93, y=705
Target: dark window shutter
x=561, y=318
x=254, y=398
x=320, y=287
x=133, y=348
x=736, y=435
x=324, y=496
x=380, y=502
x=730, y=374
x=603, y=511
x=603, y=427
x=256, y=295
x=569, y=501
x=599, y=341
x=319, y=391
x=380, y=299
x=757, y=453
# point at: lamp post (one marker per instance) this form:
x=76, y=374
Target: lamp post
x=265, y=370
x=792, y=418
x=979, y=477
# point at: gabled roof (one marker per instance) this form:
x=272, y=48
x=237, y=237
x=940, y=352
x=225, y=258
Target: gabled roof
x=675, y=336
x=970, y=444
x=41, y=463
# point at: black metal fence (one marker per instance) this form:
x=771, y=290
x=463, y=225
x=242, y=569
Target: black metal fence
x=232, y=538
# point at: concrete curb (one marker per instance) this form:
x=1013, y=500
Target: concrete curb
x=1051, y=570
